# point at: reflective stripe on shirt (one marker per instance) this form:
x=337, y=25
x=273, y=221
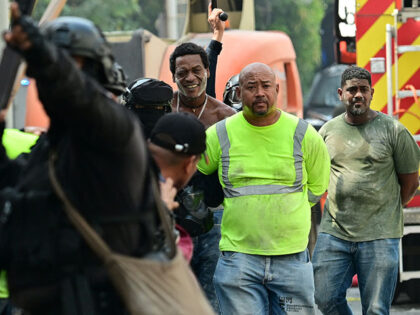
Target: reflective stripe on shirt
x=313, y=198
x=230, y=191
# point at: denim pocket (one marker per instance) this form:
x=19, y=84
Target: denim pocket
x=302, y=257
x=227, y=254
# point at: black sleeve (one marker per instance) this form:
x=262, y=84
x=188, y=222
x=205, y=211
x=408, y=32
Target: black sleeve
x=213, y=50
x=213, y=192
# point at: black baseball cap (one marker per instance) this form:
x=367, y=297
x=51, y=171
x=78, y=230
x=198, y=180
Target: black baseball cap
x=180, y=133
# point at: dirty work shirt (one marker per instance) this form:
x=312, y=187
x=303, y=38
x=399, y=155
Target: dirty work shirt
x=262, y=221
x=364, y=200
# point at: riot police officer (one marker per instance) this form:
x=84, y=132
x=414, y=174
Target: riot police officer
x=101, y=164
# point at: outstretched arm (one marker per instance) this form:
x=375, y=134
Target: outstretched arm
x=216, y=24
x=71, y=98
x=215, y=47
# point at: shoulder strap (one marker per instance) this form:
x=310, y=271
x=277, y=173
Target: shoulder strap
x=95, y=242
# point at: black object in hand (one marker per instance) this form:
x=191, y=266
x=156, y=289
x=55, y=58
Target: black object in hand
x=223, y=16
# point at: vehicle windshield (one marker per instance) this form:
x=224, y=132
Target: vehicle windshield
x=325, y=92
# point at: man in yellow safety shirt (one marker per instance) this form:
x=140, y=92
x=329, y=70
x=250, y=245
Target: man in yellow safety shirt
x=272, y=166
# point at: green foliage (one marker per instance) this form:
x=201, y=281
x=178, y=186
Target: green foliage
x=149, y=12
x=112, y=15
x=301, y=20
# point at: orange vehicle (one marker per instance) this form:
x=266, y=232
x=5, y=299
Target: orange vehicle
x=383, y=36
x=272, y=48
x=141, y=54
x=242, y=45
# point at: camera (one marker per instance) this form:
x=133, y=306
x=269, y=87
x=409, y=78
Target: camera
x=193, y=214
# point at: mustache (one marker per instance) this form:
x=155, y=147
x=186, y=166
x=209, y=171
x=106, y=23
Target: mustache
x=358, y=100
x=260, y=100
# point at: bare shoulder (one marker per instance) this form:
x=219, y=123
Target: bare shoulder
x=220, y=109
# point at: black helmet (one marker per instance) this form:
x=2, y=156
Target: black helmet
x=147, y=93
x=80, y=37
x=119, y=84
x=150, y=99
x=230, y=96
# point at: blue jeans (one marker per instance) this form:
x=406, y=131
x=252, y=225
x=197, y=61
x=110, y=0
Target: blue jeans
x=254, y=285
x=205, y=256
x=6, y=307
x=336, y=261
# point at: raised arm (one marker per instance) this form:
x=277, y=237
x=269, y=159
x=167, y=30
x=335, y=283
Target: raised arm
x=71, y=98
x=215, y=47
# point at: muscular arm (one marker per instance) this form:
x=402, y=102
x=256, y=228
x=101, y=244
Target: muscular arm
x=406, y=161
x=409, y=184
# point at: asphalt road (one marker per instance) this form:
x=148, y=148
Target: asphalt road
x=403, y=305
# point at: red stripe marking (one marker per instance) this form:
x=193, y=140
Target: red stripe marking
x=369, y=13
x=407, y=34
x=406, y=103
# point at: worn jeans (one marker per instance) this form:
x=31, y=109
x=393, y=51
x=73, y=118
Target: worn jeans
x=262, y=285
x=6, y=308
x=205, y=256
x=336, y=261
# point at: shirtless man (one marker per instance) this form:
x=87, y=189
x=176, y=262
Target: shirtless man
x=190, y=69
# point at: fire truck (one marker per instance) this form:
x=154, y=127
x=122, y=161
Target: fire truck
x=383, y=36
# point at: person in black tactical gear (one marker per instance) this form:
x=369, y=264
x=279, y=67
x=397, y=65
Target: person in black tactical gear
x=230, y=97
x=150, y=99
x=101, y=164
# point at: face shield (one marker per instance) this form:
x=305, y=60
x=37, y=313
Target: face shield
x=230, y=95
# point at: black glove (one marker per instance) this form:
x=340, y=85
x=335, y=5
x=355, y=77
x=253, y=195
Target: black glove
x=193, y=214
x=39, y=53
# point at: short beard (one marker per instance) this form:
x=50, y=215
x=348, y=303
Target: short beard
x=260, y=114
x=263, y=113
x=357, y=111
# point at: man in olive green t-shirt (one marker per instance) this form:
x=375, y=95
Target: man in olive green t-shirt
x=374, y=173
